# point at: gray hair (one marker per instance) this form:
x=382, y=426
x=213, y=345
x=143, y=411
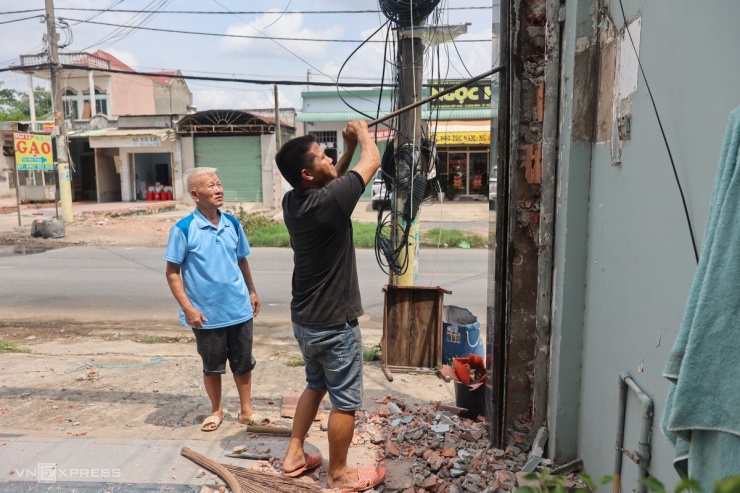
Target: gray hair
x=190, y=176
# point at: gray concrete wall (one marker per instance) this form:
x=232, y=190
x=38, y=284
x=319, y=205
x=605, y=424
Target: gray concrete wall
x=187, y=155
x=639, y=258
x=172, y=98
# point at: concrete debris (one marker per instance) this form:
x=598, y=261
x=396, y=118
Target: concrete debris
x=435, y=450
x=392, y=407
x=538, y=446
x=570, y=467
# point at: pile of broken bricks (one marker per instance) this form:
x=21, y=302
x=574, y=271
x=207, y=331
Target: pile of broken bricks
x=433, y=449
x=447, y=453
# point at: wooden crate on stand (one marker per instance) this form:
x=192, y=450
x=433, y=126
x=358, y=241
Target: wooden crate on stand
x=412, y=328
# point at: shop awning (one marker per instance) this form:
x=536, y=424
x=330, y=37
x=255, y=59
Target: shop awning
x=463, y=132
x=134, y=137
x=439, y=115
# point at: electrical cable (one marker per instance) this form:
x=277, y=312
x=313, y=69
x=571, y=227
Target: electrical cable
x=207, y=12
x=124, y=30
x=665, y=139
x=220, y=35
x=275, y=40
x=406, y=169
x=407, y=12
x=339, y=73
x=196, y=77
x=24, y=19
x=103, y=11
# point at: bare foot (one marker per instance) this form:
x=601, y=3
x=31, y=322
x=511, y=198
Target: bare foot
x=346, y=480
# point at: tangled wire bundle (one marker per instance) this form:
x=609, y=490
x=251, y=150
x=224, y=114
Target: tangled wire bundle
x=407, y=12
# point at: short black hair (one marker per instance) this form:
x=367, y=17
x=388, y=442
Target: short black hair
x=293, y=157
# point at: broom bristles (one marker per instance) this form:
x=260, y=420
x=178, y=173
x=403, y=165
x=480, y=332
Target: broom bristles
x=252, y=481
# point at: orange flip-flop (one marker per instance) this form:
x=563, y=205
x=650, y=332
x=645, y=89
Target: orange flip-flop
x=312, y=462
x=367, y=477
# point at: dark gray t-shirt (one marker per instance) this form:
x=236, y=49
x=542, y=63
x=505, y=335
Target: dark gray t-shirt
x=326, y=292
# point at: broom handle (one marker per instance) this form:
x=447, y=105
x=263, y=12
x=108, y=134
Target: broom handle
x=214, y=467
x=411, y=106
x=269, y=430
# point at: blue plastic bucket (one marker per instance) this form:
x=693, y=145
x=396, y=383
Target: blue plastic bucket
x=460, y=334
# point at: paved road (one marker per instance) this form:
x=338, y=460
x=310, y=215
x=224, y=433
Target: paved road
x=122, y=284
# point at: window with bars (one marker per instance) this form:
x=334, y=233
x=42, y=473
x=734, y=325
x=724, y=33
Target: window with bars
x=327, y=137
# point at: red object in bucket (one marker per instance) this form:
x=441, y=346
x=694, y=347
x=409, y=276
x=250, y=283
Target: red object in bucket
x=150, y=195
x=157, y=196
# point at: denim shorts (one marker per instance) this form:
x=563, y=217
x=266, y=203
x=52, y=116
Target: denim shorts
x=333, y=357
x=234, y=343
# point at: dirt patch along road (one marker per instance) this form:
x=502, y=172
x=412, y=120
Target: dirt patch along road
x=98, y=377
x=121, y=381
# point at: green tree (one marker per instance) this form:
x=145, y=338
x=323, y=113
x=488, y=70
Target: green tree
x=14, y=105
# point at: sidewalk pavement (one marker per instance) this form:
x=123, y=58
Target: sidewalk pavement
x=133, y=465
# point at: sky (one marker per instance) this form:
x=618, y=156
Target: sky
x=315, y=46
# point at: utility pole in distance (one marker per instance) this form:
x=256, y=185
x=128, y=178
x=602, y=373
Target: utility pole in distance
x=65, y=186
x=278, y=140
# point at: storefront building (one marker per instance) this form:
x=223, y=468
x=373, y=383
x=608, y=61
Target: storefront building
x=126, y=164
x=460, y=124
x=119, y=126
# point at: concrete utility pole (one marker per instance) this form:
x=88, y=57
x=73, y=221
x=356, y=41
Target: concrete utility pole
x=409, y=131
x=278, y=140
x=65, y=186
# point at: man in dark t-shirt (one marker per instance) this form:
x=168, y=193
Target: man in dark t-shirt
x=326, y=296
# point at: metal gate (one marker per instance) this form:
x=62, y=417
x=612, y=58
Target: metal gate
x=239, y=163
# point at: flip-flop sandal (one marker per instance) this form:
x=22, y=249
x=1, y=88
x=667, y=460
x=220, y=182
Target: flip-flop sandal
x=215, y=421
x=367, y=477
x=312, y=462
x=255, y=419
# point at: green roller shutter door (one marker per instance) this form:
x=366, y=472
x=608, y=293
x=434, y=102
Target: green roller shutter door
x=239, y=163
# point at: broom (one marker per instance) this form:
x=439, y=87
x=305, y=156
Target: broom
x=242, y=480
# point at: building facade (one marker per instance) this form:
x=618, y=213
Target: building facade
x=119, y=125
x=460, y=129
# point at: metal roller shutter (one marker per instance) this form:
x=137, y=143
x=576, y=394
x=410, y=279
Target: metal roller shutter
x=239, y=163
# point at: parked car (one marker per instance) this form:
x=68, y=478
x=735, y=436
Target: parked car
x=378, y=192
x=492, y=182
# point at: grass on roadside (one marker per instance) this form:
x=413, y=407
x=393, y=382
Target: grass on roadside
x=452, y=238
x=150, y=340
x=372, y=353
x=276, y=235
x=295, y=362
x=9, y=347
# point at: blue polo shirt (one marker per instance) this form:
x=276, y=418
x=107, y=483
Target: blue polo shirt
x=208, y=258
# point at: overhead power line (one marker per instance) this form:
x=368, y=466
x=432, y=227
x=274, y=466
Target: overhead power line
x=213, y=79
x=217, y=12
x=244, y=36
x=198, y=77
x=23, y=19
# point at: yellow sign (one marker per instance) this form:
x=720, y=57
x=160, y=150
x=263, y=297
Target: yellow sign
x=33, y=152
x=463, y=138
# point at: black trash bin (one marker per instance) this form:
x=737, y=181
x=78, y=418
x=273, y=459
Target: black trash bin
x=472, y=400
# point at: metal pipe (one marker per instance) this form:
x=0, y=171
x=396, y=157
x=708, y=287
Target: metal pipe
x=411, y=106
x=643, y=456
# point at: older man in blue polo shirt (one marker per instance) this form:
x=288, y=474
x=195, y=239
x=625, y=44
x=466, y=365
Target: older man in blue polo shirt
x=209, y=276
